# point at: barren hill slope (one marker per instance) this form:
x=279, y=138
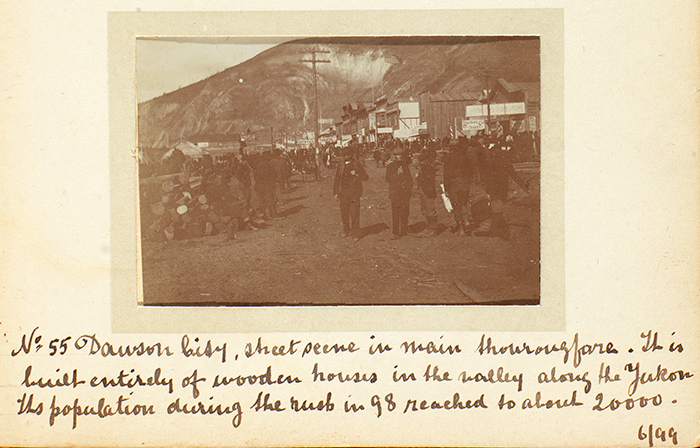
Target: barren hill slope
x=275, y=89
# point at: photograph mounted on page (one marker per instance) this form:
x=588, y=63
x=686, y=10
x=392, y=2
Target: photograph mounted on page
x=339, y=171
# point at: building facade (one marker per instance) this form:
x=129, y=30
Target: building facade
x=508, y=107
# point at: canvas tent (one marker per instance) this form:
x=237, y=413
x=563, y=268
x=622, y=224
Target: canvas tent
x=185, y=148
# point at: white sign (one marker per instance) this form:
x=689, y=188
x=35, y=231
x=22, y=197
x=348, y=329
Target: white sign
x=478, y=110
x=473, y=125
x=498, y=109
x=515, y=108
x=482, y=110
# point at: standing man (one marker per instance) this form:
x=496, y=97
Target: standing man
x=265, y=185
x=280, y=166
x=347, y=187
x=398, y=175
x=226, y=203
x=495, y=168
x=384, y=156
x=243, y=172
x=377, y=156
x=458, y=173
x=311, y=163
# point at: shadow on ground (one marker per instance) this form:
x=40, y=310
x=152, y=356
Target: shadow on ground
x=373, y=229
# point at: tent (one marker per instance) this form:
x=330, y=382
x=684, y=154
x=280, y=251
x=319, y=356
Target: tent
x=185, y=148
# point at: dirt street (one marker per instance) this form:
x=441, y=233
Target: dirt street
x=304, y=259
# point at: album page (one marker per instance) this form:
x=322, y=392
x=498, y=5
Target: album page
x=474, y=225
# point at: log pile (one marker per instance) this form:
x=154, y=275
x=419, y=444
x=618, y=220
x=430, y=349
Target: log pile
x=176, y=207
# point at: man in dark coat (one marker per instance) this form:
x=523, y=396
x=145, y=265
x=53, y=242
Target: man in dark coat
x=347, y=187
x=496, y=168
x=243, y=173
x=265, y=185
x=377, y=156
x=282, y=172
x=226, y=205
x=398, y=174
x=458, y=174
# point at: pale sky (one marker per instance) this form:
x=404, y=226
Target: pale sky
x=166, y=64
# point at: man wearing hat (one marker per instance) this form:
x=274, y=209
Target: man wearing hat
x=458, y=173
x=496, y=168
x=347, y=187
x=398, y=175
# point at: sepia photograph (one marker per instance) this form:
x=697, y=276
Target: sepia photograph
x=339, y=170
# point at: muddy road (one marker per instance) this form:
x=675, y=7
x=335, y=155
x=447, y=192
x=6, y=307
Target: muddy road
x=304, y=259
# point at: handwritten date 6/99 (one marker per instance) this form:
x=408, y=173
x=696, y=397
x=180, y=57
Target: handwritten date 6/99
x=657, y=433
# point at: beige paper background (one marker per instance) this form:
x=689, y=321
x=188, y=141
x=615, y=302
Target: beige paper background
x=631, y=127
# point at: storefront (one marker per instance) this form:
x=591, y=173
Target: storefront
x=509, y=109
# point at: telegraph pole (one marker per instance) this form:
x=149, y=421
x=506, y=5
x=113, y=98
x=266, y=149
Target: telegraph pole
x=486, y=74
x=313, y=62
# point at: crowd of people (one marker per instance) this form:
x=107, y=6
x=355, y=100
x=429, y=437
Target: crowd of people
x=242, y=192
x=232, y=193
x=474, y=187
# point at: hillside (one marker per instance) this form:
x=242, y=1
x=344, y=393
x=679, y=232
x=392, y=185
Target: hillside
x=275, y=89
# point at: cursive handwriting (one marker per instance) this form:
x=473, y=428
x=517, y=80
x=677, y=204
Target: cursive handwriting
x=100, y=410
x=662, y=375
x=572, y=351
x=107, y=349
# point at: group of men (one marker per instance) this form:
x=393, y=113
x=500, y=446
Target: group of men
x=476, y=172
x=247, y=188
x=474, y=186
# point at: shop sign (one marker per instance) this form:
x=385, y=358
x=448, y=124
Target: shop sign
x=496, y=109
x=514, y=108
x=473, y=125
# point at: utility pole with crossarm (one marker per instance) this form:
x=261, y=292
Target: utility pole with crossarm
x=313, y=62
